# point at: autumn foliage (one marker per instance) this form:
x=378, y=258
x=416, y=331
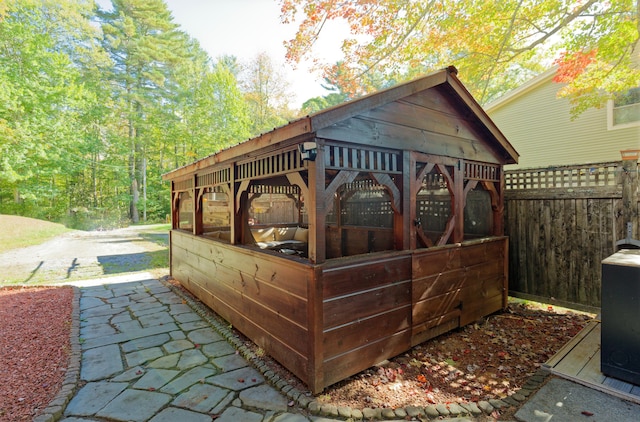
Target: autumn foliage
x=571, y=65
x=496, y=46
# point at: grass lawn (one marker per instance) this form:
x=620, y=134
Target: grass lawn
x=18, y=232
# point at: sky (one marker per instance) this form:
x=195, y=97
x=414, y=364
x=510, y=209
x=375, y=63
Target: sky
x=244, y=28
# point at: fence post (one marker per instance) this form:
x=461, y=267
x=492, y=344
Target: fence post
x=630, y=195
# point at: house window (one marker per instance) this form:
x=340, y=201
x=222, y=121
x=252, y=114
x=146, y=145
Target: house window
x=624, y=109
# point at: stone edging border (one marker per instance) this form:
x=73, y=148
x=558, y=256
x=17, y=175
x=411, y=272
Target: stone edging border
x=329, y=410
x=56, y=407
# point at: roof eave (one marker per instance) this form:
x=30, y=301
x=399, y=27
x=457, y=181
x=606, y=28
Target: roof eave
x=245, y=149
x=508, y=152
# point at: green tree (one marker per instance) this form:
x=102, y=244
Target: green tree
x=144, y=45
x=496, y=45
x=211, y=110
x=266, y=92
x=42, y=95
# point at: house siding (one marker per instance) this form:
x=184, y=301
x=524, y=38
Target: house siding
x=539, y=126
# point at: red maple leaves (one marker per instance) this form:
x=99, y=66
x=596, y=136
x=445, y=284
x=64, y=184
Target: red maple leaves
x=572, y=64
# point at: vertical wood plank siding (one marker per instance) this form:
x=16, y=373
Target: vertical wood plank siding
x=562, y=222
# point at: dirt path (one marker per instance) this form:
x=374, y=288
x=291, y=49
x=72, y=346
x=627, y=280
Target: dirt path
x=79, y=255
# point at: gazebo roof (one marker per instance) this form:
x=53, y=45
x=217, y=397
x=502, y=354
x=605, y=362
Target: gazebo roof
x=389, y=107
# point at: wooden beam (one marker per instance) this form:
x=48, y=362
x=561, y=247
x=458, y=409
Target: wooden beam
x=382, y=134
x=414, y=188
x=458, y=202
x=317, y=214
x=403, y=224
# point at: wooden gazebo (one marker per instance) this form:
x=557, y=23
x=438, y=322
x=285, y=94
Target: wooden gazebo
x=351, y=235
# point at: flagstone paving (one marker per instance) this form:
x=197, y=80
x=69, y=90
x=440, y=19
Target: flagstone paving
x=148, y=356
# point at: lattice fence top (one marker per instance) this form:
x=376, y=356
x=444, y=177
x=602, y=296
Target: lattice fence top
x=587, y=175
x=365, y=188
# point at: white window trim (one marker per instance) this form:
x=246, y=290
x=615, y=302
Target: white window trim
x=611, y=126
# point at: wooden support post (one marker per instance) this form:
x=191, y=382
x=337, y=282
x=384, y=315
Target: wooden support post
x=197, y=207
x=412, y=188
x=498, y=215
x=458, y=201
x=403, y=222
x=315, y=316
x=194, y=203
x=231, y=197
x=174, y=206
x=317, y=209
x=630, y=195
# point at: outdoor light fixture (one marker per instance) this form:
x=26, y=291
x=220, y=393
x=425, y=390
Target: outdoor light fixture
x=308, y=150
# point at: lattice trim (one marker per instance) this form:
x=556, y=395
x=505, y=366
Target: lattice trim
x=589, y=175
x=214, y=178
x=280, y=163
x=285, y=190
x=183, y=185
x=357, y=158
x=481, y=171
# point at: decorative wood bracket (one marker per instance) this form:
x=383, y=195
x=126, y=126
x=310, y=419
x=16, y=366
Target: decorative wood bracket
x=386, y=181
x=296, y=179
x=176, y=197
x=244, y=185
x=496, y=203
x=199, y=200
x=423, y=172
x=345, y=176
x=471, y=185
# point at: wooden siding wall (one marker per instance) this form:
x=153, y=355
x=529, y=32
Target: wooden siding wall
x=562, y=222
x=374, y=310
x=559, y=140
x=366, y=314
x=330, y=321
x=455, y=285
x=263, y=295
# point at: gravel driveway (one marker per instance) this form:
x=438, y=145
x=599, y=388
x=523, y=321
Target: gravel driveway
x=80, y=255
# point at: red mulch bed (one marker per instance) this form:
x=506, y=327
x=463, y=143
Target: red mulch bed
x=35, y=325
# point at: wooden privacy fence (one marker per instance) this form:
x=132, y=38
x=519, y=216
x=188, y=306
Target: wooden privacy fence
x=562, y=222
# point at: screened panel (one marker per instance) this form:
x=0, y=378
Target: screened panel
x=215, y=210
x=478, y=215
x=433, y=206
x=185, y=211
